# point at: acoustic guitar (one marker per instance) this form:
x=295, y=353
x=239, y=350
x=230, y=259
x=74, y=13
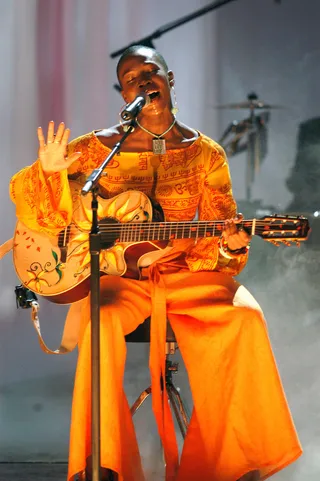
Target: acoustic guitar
x=133, y=234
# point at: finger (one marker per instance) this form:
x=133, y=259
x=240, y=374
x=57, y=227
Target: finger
x=73, y=157
x=41, y=138
x=230, y=226
x=59, y=133
x=238, y=218
x=65, y=138
x=224, y=235
x=50, y=135
x=225, y=232
x=227, y=224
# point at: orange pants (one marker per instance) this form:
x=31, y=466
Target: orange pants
x=240, y=421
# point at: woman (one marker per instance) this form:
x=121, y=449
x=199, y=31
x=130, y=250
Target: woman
x=241, y=428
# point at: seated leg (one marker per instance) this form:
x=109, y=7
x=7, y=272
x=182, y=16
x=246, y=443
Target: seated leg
x=226, y=350
x=123, y=304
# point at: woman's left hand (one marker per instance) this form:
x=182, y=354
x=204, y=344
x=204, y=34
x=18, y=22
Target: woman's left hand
x=236, y=237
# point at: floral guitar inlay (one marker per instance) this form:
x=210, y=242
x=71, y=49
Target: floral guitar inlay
x=37, y=273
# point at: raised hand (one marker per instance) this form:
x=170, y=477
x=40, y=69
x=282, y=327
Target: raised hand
x=53, y=153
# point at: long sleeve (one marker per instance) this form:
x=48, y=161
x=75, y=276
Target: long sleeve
x=42, y=204
x=216, y=203
x=45, y=204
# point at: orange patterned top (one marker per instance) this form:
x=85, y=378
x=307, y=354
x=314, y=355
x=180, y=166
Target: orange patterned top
x=183, y=181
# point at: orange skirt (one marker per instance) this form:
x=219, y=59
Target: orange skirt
x=240, y=421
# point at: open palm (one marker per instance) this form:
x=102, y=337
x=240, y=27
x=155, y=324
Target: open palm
x=53, y=153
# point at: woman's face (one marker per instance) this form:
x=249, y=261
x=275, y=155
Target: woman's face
x=142, y=72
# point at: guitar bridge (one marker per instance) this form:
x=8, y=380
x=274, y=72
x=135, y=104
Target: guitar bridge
x=63, y=241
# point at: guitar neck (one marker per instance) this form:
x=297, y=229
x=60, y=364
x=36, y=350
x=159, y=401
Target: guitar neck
x=148, y=231
x=274, y=228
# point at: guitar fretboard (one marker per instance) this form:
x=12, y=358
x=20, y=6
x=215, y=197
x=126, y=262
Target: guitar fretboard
x=138, y=232
x=169, y=230
x=274, y=227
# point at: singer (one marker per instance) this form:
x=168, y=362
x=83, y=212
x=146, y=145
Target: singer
x=241, y=427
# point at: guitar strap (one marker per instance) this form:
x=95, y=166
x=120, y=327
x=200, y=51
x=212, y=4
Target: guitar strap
x=70, y=334
x=6, y=247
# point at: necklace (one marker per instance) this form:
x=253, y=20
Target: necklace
x=158, y=142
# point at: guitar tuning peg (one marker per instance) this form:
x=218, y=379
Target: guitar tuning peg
x=274, y=242
x=297, y=243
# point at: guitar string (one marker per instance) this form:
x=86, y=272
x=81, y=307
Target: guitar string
x=137, y=228
x=191, y=224
x=156, y=233
x=131, y=230
x=115, y=227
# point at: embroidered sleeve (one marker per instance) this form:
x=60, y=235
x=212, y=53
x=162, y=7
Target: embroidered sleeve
x=216, y=203
x=45, y=204
x=92, y=155
x=42, y=204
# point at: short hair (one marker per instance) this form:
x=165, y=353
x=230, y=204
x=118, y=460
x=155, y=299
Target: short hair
x=133, y=49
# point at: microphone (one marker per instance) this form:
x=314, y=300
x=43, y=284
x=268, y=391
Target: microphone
x=132, y=109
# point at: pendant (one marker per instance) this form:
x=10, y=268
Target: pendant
x=159, y=146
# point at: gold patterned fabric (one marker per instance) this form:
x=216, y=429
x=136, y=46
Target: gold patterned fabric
x=184, y=181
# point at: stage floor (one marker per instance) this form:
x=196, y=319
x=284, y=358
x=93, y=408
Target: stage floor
x=33, y=472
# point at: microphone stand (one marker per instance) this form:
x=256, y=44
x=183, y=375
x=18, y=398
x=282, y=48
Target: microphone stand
x=95, y=249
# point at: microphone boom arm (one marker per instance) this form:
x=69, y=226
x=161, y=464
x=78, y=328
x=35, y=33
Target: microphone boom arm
x=171, y=25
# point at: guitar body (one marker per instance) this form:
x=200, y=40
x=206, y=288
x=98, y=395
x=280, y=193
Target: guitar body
x=58, y=267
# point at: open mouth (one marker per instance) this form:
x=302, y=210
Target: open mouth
x=153, y=95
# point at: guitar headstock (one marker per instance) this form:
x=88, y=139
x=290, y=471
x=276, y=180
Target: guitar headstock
x=283, y=229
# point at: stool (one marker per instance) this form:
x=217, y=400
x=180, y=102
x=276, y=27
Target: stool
x=142, y=334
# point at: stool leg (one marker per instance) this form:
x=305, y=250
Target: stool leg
x=178, y=408
x=143, y=396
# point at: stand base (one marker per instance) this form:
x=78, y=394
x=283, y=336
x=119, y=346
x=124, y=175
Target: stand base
x=106, y=475
x=178, y=407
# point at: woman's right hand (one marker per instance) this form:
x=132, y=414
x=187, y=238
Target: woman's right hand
x=53, y=154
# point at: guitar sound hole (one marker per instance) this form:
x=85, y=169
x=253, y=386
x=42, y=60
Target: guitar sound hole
x=110, y=231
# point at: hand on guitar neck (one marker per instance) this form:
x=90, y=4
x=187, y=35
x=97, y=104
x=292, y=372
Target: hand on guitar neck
x=53, y=153
x=235, y=237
